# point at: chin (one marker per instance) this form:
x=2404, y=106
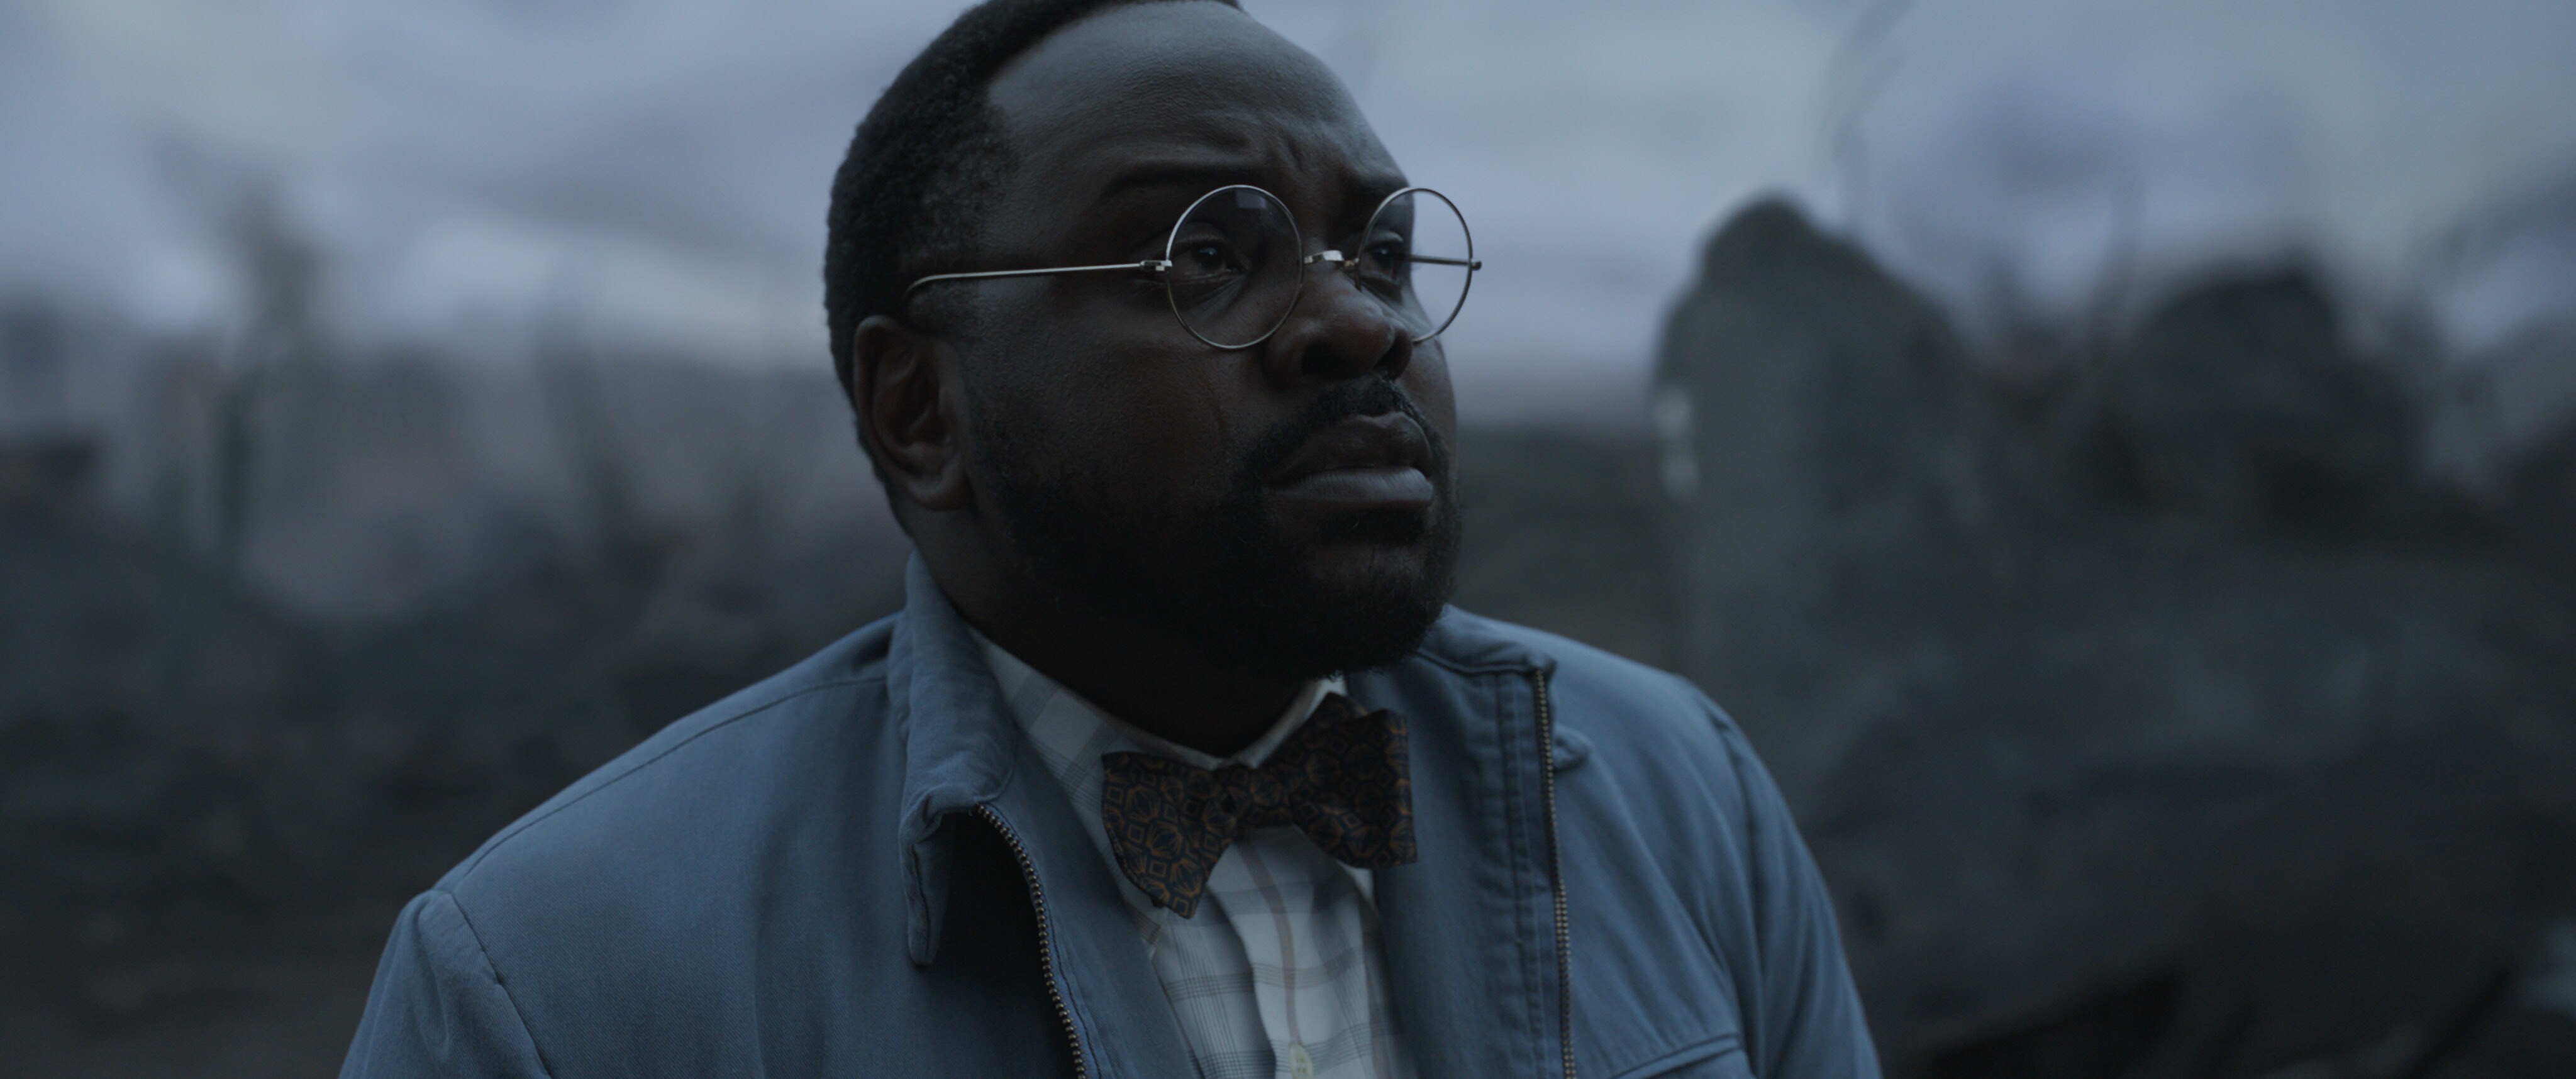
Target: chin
x=1363, y=598
x=1248, y=583
x=1367, y=576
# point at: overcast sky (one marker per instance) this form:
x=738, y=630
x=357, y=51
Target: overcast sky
x=656, y=170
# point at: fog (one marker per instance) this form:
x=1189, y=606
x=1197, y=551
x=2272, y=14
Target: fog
x=656, y=171
x=2117, y=463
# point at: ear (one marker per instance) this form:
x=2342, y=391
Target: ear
x=910, y=411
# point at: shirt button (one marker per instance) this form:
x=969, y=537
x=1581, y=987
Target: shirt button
x=1300, y=1066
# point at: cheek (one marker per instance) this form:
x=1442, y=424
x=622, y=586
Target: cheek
x=1427, y=381
x=1135, y=420
x=1164, y=430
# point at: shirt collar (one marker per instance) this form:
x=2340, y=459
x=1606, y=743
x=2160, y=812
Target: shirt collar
x=1028, y=692
x=1072, y=735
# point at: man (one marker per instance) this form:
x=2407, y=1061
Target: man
x=1173, y=763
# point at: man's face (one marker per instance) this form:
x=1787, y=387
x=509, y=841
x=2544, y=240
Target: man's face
x=1288, y=506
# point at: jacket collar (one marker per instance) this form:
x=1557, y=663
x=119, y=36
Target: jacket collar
x=1469, y=931
x=1482, y=906
x=963, y=752
x=960, y=746
x=966, y=751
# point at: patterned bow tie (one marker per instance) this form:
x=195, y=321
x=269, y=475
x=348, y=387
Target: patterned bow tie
x=1340, y=778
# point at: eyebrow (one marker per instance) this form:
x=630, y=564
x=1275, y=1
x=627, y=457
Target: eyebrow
x=1162, y=176
x=1199, y=177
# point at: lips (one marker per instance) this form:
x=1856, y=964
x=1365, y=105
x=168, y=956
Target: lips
x=1363, y=461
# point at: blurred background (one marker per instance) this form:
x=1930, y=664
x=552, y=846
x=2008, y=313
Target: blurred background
x=2117, y=460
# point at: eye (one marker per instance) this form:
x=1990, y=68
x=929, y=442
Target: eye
x=1385, y=262
x=1210, y=257
x=1205, y=258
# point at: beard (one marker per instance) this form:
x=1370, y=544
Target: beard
x=1226, y=575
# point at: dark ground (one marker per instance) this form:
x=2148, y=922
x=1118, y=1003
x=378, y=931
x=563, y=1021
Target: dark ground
x=216, y=810
x=2157, y=711
x=2157, y=703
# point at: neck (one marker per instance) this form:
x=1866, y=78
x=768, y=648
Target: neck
x=1147, y=676
x=1171, y=697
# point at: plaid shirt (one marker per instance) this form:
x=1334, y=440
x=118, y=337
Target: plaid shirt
x=1280, y=975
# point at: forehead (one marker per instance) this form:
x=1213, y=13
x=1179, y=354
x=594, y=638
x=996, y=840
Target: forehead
x=1196, y=90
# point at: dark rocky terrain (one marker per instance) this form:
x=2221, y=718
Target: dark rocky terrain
x=2192, y=702
x=2161, y=712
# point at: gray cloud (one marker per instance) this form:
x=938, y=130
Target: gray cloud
x=657, y=169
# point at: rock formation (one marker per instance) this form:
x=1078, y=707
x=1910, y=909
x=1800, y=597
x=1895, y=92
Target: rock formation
x=2175, y=725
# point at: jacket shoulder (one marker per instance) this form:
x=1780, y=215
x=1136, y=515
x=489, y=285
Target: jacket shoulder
x=698, y=762
x=1618, y=695
x=1645, y=738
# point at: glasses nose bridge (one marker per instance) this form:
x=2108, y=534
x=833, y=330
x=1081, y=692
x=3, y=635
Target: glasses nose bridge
x=1395, y=312
x=1333, y=259
x=1345, y=267
x=1328, y=326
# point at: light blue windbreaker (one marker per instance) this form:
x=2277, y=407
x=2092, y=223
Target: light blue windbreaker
x=859, y=867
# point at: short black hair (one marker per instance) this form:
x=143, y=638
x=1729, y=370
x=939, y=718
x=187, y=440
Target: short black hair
x=923, y=161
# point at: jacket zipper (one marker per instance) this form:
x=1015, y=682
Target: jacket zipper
x=1556, y=885
x=1046, y=940
x=1555, y=873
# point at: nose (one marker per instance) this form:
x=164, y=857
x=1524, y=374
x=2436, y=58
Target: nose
x=1337, y=331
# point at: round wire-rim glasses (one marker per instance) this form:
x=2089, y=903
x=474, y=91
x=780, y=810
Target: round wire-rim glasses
x=1387, y=276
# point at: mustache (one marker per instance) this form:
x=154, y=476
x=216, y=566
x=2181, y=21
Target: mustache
x=1369, y=397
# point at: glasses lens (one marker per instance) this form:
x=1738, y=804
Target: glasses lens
x=1234, y=266
x=1416, y=256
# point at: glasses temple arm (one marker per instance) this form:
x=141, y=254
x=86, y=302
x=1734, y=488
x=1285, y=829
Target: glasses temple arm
x=1336, y=256
x=1146, y=265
